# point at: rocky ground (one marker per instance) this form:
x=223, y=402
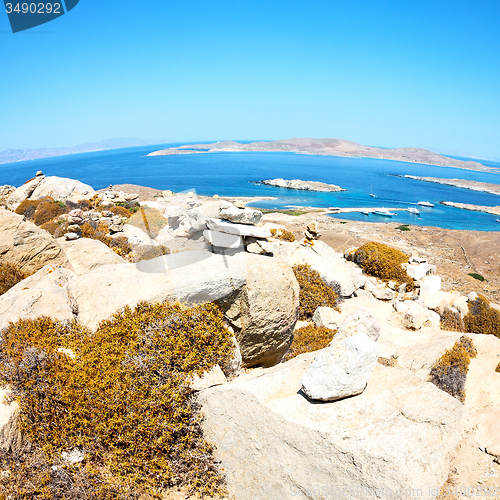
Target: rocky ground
x=360, y=412
x=455, y=253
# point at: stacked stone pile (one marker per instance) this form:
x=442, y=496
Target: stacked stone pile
x=112, y=196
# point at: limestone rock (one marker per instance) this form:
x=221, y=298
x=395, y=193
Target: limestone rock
x=275, y=444
x=258, y=294
x=342, y=369
x=43, y=294
x=238, y=229
x=416, y=316
x=430, y=286
x=259, y=246
x=26, y=245
x=23, y=192
x=244, y=215
x=137, y=237
x=223, y=240
x=60, y=188
x=418, y=271
x=10, y=433
x=85, y=254
x=327, y=317
x=195, y=220
x=460, y=304
x=360, y=321
x=213, y=377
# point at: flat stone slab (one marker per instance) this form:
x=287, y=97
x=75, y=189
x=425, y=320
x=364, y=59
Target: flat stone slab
x=239, y=229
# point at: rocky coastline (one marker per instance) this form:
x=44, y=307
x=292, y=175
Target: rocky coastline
x=484, y=187
x=302, y=185
x=474, y=208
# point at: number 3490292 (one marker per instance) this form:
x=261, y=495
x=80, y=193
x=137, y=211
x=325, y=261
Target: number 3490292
x=34, y=8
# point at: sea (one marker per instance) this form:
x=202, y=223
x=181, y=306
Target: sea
x=238, y=174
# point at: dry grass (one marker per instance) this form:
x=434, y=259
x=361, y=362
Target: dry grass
x=309, y=338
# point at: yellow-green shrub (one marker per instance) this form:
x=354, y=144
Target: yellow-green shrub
x=497, y=369
x=449, y=373
x=383, y=262
x=124, y=398
x=482, y=318
x=10, y=275
x=309, y=338
x=314, y=292
x=283, y=235
x=120, y=211
x=451, y=321
x=99, y=232
x=150, y=220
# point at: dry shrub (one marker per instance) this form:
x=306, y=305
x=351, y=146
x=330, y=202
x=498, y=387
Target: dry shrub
x=449, y=373
x=28, y=207
x=49, y=210
x=482, y=318
x=497, y=369
x=384, y=262
x=124, y=399
x=52, y=227
x=309, y=338
x=10, y=275
x=99, y=232
x=150, y=220
x=314, y=292
x=120, y=211
x=283, y=235
x=452, y=321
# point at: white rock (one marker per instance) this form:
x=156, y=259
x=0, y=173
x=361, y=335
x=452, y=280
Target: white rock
x=223, y=240
x=240, y=215
x=400, y=306
x=416, y=316
x=472, y=296
x=327, y=317
x=237, y=229
x=71, y=237
x=342, y=369
x=10, y=434
x=73, y=457
x=460, y=304
x=60, y=188
x=259, y=246
x=23, y=192
x=431, y=285
x=360, y=321
x=85, y=254
x=417, y=272
x=137, y=237
x=213, y=377
x=42, y=294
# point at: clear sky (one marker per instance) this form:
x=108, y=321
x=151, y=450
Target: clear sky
x=380, y=72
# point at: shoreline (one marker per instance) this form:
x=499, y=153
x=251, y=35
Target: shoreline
x=483, y=187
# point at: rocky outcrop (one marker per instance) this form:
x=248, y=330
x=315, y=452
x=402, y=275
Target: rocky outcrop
x=259, y=294
x=43, y=294
x=302, y=185
x=26, y=245
x=23, y=192
x=360, y=321
x=85, y=254
x=60, y=188
x=243, y=215
x=273, y=443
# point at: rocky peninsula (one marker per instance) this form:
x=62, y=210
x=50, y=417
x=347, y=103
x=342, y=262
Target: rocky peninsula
x=331, y=147
x=484, y=187
x=475, y=208
x=302, y=185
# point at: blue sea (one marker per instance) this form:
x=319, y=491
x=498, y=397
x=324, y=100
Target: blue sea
x=236, y=173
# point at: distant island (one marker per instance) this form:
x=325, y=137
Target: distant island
x=331, y=147
x=15, y=155
x=302, y=185
x=484, y=187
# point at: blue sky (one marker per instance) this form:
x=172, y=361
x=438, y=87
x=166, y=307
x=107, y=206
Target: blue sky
x=387, y=73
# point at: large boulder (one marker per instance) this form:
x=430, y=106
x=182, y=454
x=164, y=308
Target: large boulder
x=195, y=219
x=342, y=369
x=85, y=254
x=26, y=245
x=23, y=192
x=43, y=294
x=275, y=444
x=137, y=237
x=259, y=294
x=244, y=215
x=331, y=265
x=60, y=188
